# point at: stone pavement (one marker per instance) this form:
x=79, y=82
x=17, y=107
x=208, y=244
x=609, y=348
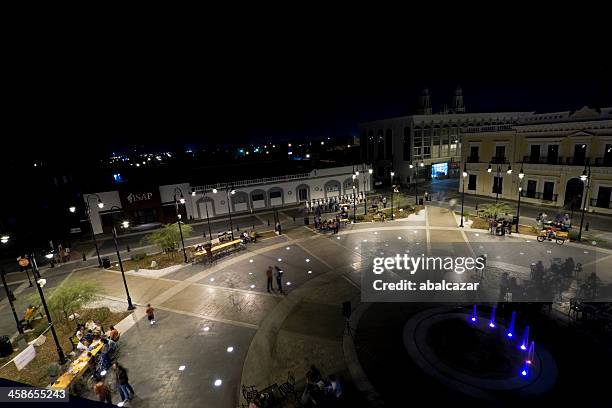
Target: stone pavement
x=204, y=309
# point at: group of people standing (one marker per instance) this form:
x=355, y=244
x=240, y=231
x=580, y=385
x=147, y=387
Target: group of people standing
x=500, y=226
x=277, y=273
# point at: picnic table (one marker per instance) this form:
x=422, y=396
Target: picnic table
x=217, y=249
x=77, y=367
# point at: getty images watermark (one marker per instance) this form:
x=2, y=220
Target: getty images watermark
x=451, y=272
x=425, y=265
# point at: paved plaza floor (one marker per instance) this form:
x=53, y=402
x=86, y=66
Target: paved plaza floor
x=218, y=322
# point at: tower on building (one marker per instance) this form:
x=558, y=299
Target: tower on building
x=457, y=104
x=425, y=103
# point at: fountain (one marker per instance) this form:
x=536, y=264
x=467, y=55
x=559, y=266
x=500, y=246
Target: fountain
x=525, y=340
x=492, y=320
x=525, y=370
x=530, y=353
x=510, y=332
x=474, y=318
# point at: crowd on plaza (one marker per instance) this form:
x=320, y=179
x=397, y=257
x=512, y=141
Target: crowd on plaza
x=99, y=349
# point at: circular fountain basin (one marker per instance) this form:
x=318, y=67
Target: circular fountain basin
x=474, y=358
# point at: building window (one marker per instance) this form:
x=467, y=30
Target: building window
x=472, y=182
x=277, y=194
x=500, y=154
x=303, y=194
x=258, y=197
x=406, y=147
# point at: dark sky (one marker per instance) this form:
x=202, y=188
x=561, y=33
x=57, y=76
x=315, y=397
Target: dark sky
x=106, y=100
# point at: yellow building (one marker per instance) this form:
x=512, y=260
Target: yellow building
x=553, y=150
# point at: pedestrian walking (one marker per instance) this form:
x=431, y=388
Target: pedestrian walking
x=150, y=312
x=279, y=278
x=278, y=227
x=269, y=279
x=121, y=379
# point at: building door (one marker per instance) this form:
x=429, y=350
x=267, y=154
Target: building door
x=549, y=188
x=497, y=185
x=303, y=194
x=531, y=188
x=573, y=193
x=579, y=154
x=472, y=182
x=473, y=154
x=534, y=154
x=603, y=197
x=206, y=205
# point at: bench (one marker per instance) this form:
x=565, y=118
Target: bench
x=218, y=249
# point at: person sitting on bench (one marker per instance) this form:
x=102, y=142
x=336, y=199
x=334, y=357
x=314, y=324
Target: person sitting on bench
x=28, y=317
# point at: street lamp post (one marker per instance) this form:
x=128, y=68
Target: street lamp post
x=586, y=178
x=88, y=211
x=125, y=224
x=365, y=190
x=392, y=190
x=521, y=175
x=465, y=174
x=354, y=198
x=193, y=193
x=9, y=296
x=179, y=216
x=39, y=281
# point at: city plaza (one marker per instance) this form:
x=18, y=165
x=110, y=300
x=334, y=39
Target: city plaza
x=218, y=329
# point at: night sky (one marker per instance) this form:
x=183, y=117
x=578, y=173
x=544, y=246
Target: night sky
x=115, y=101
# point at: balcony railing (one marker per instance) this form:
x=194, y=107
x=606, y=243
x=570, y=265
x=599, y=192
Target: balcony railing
x=244, y=183
x=569, y=161
x=499, y=160
x=539, y=196
x=603, y=204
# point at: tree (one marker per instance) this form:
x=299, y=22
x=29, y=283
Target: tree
x=169, y=236
x=493, y=210
x=70, y=297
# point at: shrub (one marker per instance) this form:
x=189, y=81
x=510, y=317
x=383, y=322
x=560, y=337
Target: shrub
x=138, y=256
x=168, y=237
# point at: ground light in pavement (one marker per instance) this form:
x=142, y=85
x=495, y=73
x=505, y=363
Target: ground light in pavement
x=218, y=382
x=230, y=349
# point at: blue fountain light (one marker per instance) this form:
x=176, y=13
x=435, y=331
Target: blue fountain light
x=492, y=320
x=474, y=317
x=510, y=332
x=525, y=370
x=525, y=340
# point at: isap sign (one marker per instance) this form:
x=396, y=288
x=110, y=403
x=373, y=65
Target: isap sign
x=138, y=197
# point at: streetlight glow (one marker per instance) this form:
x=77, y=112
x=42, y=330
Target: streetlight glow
x=125, y=224
x=489, y=168
x=72, y=209
x=214, y=190
x=100, y=204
